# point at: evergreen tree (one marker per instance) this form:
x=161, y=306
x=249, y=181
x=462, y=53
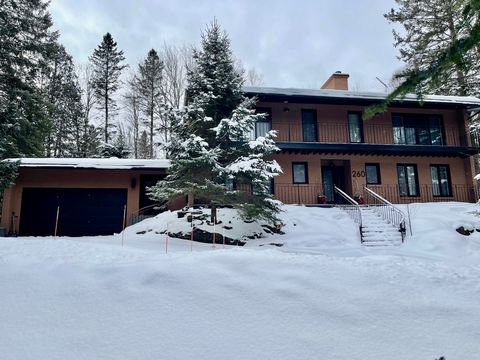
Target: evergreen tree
x=429, y=27
x=450, y=57
x=89, y=142
x=149, y=82
x=143, y=146
x=118, y=148
x=25, y=38
x=65, y=114
x=208, y=147
x=107, y=68
x=92, y=142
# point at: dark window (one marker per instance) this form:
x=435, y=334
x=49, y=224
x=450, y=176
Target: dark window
x=355, y=127
x=309, y=125
x=372, y=172
x=300, y=172
x=440, y=180
x=407, y=180
x=264, y=126
x=417, y=129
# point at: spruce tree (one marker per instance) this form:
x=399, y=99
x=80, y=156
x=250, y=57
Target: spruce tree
x=107, y=68
x=209, y=149
x=149, y=83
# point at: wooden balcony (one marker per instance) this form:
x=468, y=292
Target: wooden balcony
x=377, y=140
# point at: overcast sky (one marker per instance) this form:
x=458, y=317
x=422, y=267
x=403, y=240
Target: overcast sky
x=291, y=43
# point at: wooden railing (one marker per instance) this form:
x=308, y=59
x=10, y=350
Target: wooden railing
x=338, y=133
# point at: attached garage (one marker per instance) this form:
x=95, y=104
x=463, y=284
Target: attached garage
x=91, y=195
x=82, y=212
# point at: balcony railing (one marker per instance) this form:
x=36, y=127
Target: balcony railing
x=314, y=194
x=372, y=134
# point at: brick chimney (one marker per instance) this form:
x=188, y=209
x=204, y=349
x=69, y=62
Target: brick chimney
x=337, y=81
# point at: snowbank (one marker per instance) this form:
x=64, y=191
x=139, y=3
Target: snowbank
x=320, y=295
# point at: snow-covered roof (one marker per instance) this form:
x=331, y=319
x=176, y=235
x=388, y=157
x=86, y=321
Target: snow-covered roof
x=359, y=95
x=93, y=163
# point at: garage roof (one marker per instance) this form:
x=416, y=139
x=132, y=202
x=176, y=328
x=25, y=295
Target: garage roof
x=93, y=163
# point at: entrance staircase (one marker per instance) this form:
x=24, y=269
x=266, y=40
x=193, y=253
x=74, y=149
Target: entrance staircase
x=376, y=231
x=380, y=222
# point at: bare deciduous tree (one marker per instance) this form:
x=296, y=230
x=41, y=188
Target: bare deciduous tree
x=176, y=60
x=133, y=111
x=254, y=78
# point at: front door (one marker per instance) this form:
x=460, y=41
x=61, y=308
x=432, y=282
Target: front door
x=333, y=175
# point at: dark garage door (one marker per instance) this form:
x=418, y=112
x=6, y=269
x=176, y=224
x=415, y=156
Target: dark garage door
x=83, y=212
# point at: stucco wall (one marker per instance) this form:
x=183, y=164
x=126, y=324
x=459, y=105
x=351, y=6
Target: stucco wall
x=72, y=178
x=460, y=170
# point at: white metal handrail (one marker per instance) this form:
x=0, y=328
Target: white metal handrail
x=352, y=209
x=387, y=210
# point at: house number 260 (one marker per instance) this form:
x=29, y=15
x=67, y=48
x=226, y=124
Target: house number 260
x=358, y=173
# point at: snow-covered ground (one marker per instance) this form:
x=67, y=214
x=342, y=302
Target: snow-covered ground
x=319, y=296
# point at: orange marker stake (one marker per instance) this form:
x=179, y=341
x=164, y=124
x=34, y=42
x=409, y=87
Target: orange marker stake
x=56, y=223
x=123, y=227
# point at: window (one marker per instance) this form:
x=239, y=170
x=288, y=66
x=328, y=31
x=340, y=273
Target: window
x=440, y=180
x=264, y=126
x=372, y=172
x=407, y=180
x=417, y=129
x=355, y=127
x=300, y=173
x=309, y=125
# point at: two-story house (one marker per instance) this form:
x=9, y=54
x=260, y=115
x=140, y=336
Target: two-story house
x=411, y=153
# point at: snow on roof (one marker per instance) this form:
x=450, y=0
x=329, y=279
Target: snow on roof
x=358, y=95
x=94, y=163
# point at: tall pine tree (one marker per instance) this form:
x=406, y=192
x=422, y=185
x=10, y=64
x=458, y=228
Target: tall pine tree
x=428, y=28
x=209, y=149
x=107, y=68
x=149, y=83
x=451, y=56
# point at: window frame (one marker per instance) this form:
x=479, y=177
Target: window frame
x=315, y=123
x=305, y=164
x=362, y=137
x=419, y=122
x=417, y=185
x=268, y=118
x=449, y=179
x=379, y=176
